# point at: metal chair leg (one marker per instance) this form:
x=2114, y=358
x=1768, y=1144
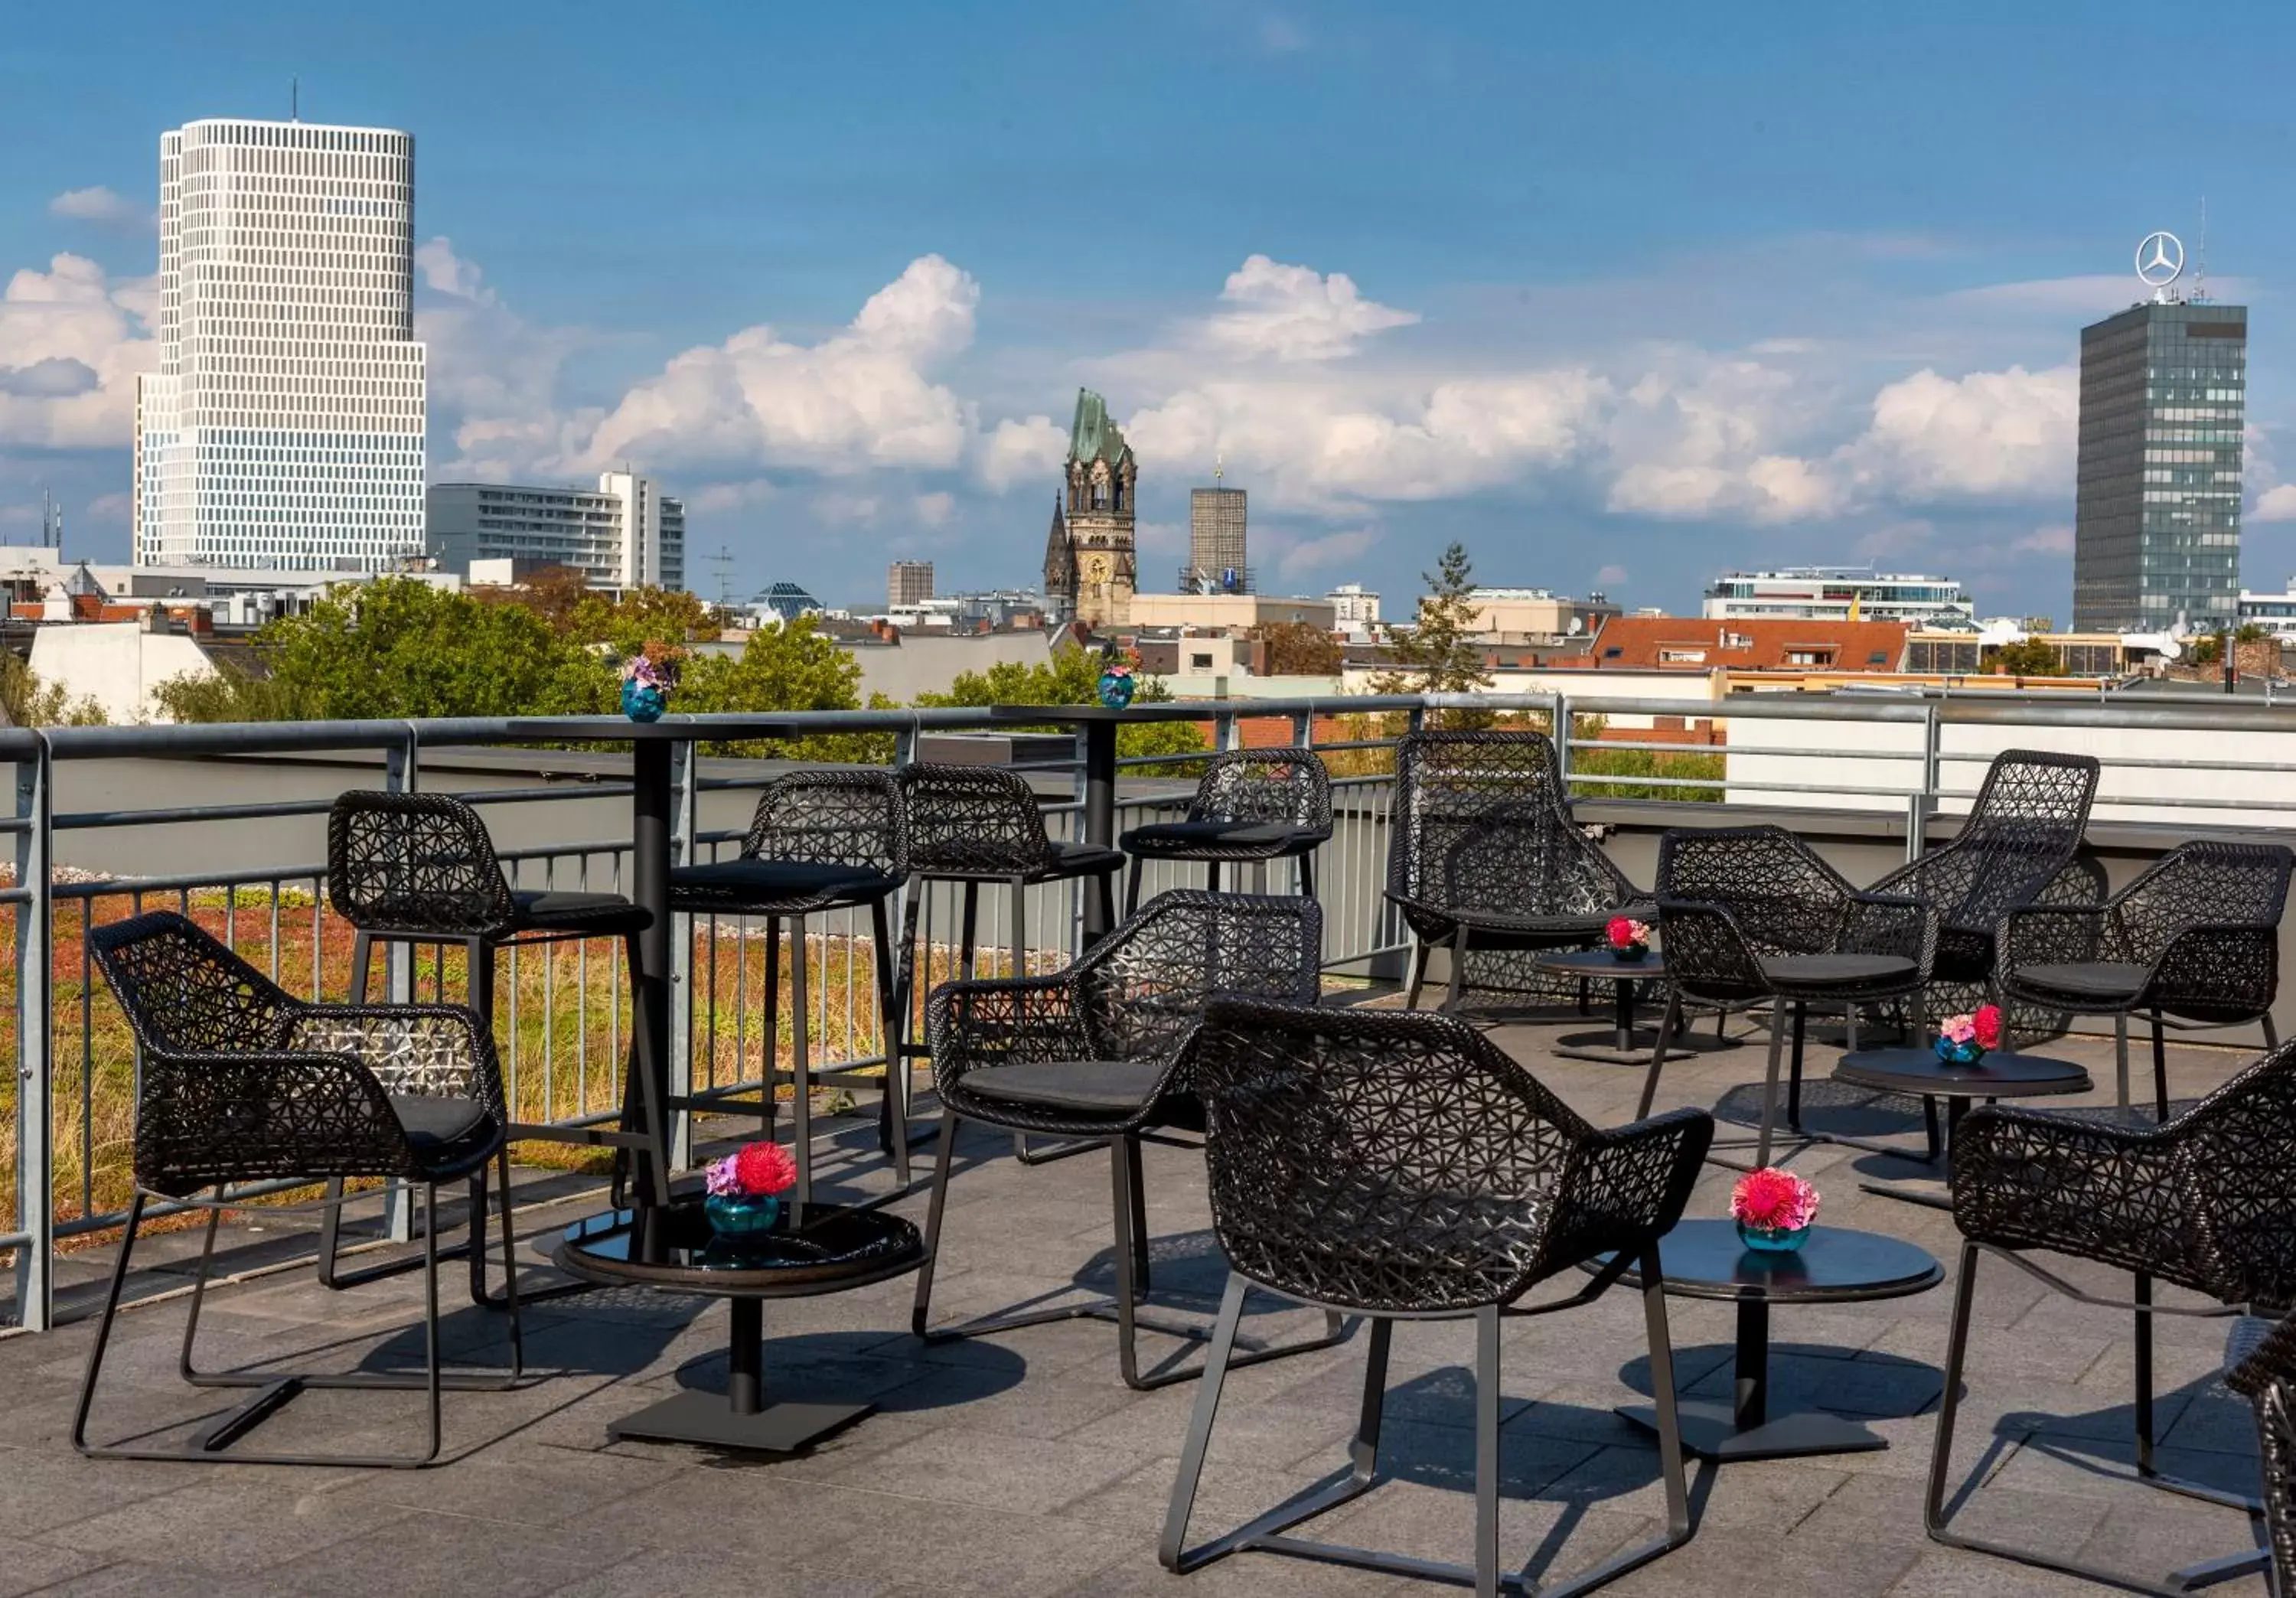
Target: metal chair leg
x=920, y=1305
x=1793, y=1078
x=1132, y=887
x=1770, y=1082
x=800, y=1074
x=1420, y=953
x=1487, y=1452
x=770, y=1048
x=2160, y=1066
x=2121, y=1059
x=1667, y=1025
x=1458, y=972
x=1304, y=863
x=894, y=1106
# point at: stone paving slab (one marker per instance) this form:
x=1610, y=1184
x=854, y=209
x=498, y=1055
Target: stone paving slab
x=1021, y=1466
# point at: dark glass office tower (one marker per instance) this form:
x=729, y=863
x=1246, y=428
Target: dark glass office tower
x=2156, y=526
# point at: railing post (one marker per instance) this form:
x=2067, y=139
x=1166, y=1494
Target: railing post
x=35, y=1080
x=1303, y=729
x=401, y=775
x=1924, y=805
x=685, y=807
x=1227, y=731
x=1561, y=714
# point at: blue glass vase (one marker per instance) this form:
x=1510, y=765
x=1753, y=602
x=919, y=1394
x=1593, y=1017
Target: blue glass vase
x=1633, y=954
x=1115, y=692
x=742, y=1215
x=643, y=702
x=1960, y=1053
x=1772, y=1240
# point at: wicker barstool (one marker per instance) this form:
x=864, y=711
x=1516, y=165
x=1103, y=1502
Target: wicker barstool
x=1252, y=806
x=2021, y=835
x=1402, y=1167
x=2265, y=1376
x=242, y=1083
x=2207, y=1201
x=1751, y=913
x=1483, y=853
x=420, y=869
x=1093, y=1054
x=820, y=841
x=2196, y=937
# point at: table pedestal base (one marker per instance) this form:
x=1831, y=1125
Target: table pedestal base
x=709, y=1420
x=741, y=1419
x=1710, y=1432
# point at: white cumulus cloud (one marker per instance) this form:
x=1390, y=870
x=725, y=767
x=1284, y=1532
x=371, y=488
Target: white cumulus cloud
x=1996, y=434
x=1027, y=451
x=496, y=373
x=2276, y=503
x=1296, y=314
x=1330, y=549
x=100, y=204
x=861, y=399
x=71, y=343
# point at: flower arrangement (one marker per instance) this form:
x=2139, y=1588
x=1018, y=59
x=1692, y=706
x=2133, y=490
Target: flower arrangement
x=743, y=1189
x=1964, y=1039
x=1774, y=1208
x=1629, y=939
x=1117, y=683
x=649, y=677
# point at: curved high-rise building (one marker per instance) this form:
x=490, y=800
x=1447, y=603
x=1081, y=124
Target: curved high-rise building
x=284, y=427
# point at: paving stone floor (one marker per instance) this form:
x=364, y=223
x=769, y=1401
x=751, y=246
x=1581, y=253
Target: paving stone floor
x=1023, y=1466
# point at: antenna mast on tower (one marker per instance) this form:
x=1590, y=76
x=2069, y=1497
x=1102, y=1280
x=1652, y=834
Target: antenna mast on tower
x=2201, y=257
x=724, y=561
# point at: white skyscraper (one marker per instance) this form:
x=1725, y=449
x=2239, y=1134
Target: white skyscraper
x=284, y=426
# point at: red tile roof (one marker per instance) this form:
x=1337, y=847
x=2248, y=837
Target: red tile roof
x=1691, y=643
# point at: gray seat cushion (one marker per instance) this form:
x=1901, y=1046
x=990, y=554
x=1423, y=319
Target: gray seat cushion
x=1113, y=1087
x=602, y=913
x=765, y=884
x=1847, y=972
x=1177, y=838
x=443, y=1130
x=2107, y=980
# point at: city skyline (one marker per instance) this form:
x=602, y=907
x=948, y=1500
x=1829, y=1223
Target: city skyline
x=1600, y=361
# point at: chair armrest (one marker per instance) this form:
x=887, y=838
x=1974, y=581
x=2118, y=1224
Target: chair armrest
x=209, y=1119
x=1706, y=948
x=1626, y=1186
x=2084, y=1187
x=421, y=1049
x=1887, y=924
x=1005, y=1022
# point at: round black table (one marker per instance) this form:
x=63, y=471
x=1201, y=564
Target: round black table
x=1920, y=1073
x=1627, y=1045
x=814, y=1248
x=1704, y=1259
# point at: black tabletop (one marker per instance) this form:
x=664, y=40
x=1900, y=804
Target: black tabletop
x=812, y=1248
x=1600, y=962
x=1704, y=1259
x=2000, y=1075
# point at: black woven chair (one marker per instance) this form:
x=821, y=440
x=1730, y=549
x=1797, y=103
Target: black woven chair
x=1253, y=805
x=1401, y=1167
x=2266, y=1375
x=820, y=841
x=420, y=870
x=1094, y=1053
x=238, y=1082
x=1751, y=913
x=1483, y=853
x=2197, y=936
x=2207, y=1201
x=2017, y=841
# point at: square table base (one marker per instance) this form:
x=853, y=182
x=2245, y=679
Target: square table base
x=710, y=1420
x=1710, y=1432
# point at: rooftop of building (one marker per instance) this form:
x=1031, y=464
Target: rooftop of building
x=1694, y=644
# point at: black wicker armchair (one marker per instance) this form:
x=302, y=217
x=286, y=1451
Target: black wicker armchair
x=420, y=870
x=1751, y=913
x=240, y=1083
x=2207, y=1201
x=2197, y=936
x=820, y=841
x=1483, y=853
x=2020, y=836
x=2266, y=1375
x=1253, y=805
x=1094, y=1053
x=1399, y=1166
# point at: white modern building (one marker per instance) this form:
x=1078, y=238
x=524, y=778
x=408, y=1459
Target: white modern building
x=1838, y=594
x=2275, y=612
x=1353, y=606
x=626, y=534
x=284, y=426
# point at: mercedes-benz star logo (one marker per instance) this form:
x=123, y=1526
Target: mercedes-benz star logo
x=2160, y=259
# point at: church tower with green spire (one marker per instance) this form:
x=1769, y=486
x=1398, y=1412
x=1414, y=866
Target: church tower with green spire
x=1101, y=474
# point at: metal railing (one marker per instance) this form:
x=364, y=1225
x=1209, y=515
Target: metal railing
x=564, y=1014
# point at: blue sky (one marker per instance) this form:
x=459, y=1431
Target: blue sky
x=1617, y=296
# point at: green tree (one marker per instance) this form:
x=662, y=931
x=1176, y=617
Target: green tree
x=793, y=667
x=399, y=647
x=1071, y=676
x=2251, y=632
x=2028, y=658
x=1300, y=648
x=2206, y=651
x=1437, y=656
x=27, y=701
